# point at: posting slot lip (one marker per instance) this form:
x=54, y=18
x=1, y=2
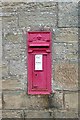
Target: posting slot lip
x=39, y=45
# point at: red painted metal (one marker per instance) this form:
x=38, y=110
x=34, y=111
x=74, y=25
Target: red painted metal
x=39, y=51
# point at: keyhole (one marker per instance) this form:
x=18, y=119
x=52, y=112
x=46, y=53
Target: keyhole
x=35, y=74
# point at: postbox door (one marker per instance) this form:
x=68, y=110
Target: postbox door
x=39, y=72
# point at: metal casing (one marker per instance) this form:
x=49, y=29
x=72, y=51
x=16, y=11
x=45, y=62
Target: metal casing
x=39, y=60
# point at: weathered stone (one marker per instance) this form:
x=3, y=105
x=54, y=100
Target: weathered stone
x=59, y=51
x=71, y=100
x=72, y=113
x=0, y=85
x=65, y=76
x=14, y=46
x=4, y=69
x=12, y=51
x=68, y=14
x=4, y=72
x=23, y=81
x=10, y=7
x=66, y=35
x=1, y=114
x=37, y=19
x=14, y=82
x=28, y=1
x=20, y=100
x=32, y=6
x=17, y=67
x=14, y=38
x=10, y=24
x=38, y=114
x=38, y=14
x=65, y=51
x=12, y=114
x=35, y=102
x=11, y=85
x=0, y=100
x=72, y=52
x=12, y=100
x=79, y=103
x=57, y=100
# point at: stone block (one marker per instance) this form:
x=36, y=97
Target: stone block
x=72, y=52
x=0, y=85
x=4, y=72
x=72, y=113
x=59, y=51
x=4, y=62
x=11, y=85
x=38, y=114
x=14, y=47
x=17, y=67
x=10, y=24
x=1, y=114
x=4, y=69
x=79, y=103
x=32, y=6
x=12, y=114
x=71, y=101
x=65, y=51
x=66, y=35
x=35, y=102
x=12, y=51
x=0, y=100
x=57, y=100
x=10, y=7
x=39, y=14
x=28, y=1
x=13, y=38
x=65, y=76
x=12, y=100
x=20, y=100
x=68, y=14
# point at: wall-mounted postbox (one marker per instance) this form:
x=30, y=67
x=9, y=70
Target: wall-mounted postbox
x=39, y=62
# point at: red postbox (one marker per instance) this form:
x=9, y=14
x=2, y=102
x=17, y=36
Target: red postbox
x=39, y=46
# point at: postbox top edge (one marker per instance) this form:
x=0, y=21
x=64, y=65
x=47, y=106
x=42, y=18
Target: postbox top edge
x=39, y=32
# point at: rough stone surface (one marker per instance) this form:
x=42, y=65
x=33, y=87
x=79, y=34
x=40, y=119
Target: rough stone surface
x=65, y=76
x=38, y=14
x=12, y=51
x=79, y=103
x=0, y=85
x=0, y=101
x=56, y=100
x=28, y=1
x=68, y=14
x=9, y=24
x=66, y=35
x=0, y=114
x=5, y=72
x=16, y=38
x=17, y=67
x=65, y=51
x=65, y=113
x=11, y=85
x=38, y=114
x=12, y=114
x=71, y=100
x=20, y=100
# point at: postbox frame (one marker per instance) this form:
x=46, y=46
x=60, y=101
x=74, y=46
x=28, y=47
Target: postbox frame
x=30, y=53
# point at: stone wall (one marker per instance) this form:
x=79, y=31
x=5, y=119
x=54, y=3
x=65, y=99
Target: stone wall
x=62, y=19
